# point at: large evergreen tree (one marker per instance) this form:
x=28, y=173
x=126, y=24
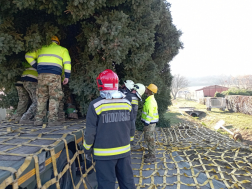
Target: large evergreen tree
x=135, y=38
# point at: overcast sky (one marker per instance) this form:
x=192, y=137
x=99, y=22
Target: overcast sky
x=217, y=37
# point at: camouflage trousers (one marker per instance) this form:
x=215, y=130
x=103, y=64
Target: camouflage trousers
x=23, y=100
x=66, y=94
x=49, y=87
x=149, y=137
x=30, y=87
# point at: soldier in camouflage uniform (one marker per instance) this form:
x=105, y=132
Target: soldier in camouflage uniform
x=150, y=117
x=149, y=137
x=27, y=91
x=23, y=101
x=50, y=61
x=30, y=82
x=30, y=87
x=55, y=94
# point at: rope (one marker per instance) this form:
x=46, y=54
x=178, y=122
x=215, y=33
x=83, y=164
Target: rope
x=29, y=136
x=187, y=153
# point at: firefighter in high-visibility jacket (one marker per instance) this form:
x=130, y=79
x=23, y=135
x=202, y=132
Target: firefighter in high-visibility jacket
x=150, y=117
x=109, y=129
x=49, y=62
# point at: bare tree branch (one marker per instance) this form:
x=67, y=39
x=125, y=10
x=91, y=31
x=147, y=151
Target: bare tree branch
x=240, y=82
x=178, y=83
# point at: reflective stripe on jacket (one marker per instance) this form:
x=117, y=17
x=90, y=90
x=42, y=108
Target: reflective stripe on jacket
x=30, y=74
x=109, y=128
x=150, y=111
x=50, y=59
x=135, y=100
x=31, y=58
x=19, y=84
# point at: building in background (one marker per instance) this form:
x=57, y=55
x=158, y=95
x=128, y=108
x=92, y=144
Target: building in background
x=209, y=91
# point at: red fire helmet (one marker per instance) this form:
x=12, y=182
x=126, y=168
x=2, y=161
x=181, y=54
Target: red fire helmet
x=107, y=80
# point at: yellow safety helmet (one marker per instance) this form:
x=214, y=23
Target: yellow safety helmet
x=55, y=38
x=152, y=88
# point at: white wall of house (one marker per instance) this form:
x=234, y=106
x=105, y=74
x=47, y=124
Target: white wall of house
x=199, y=94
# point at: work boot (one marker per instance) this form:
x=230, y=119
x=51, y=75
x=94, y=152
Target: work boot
x=54, y=123
x=61, y=119
x=38, y=123
x=13, y=117
x=26, y=122
x=150, y=159
x=17, y=119
x=61, y=116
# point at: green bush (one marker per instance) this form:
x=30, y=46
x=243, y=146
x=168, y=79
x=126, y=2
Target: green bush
x=250, y=93
x=218, y=94
x=136, y=39
x=235, y=91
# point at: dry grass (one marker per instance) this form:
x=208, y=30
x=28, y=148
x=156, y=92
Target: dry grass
x=234, y=121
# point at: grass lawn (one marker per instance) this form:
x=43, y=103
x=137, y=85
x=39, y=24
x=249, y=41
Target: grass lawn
x=233, y=121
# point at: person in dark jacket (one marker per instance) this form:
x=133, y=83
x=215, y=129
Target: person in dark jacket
x=133, y=93
x=109, y=128
x=136, y=96
x=126, y=87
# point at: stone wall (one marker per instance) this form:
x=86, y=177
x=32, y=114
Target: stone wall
x=239, y=103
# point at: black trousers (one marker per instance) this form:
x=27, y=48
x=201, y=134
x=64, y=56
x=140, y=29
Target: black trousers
x=108, y=170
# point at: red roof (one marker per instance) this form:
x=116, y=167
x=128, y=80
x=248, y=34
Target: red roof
x=211, y=87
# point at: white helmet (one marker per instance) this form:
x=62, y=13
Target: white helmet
x=140, y=89
x=129, y=84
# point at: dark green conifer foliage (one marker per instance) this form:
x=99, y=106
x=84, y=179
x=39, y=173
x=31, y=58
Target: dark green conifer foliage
x=135, y=38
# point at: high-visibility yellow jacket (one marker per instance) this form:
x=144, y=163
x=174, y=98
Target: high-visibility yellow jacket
x=30, y=73
x=50, y=59
x=150, y=111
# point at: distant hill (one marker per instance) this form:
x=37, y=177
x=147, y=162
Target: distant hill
x=204, y=81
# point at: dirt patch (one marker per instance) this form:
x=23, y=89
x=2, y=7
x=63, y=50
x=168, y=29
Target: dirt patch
x=247, y=137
